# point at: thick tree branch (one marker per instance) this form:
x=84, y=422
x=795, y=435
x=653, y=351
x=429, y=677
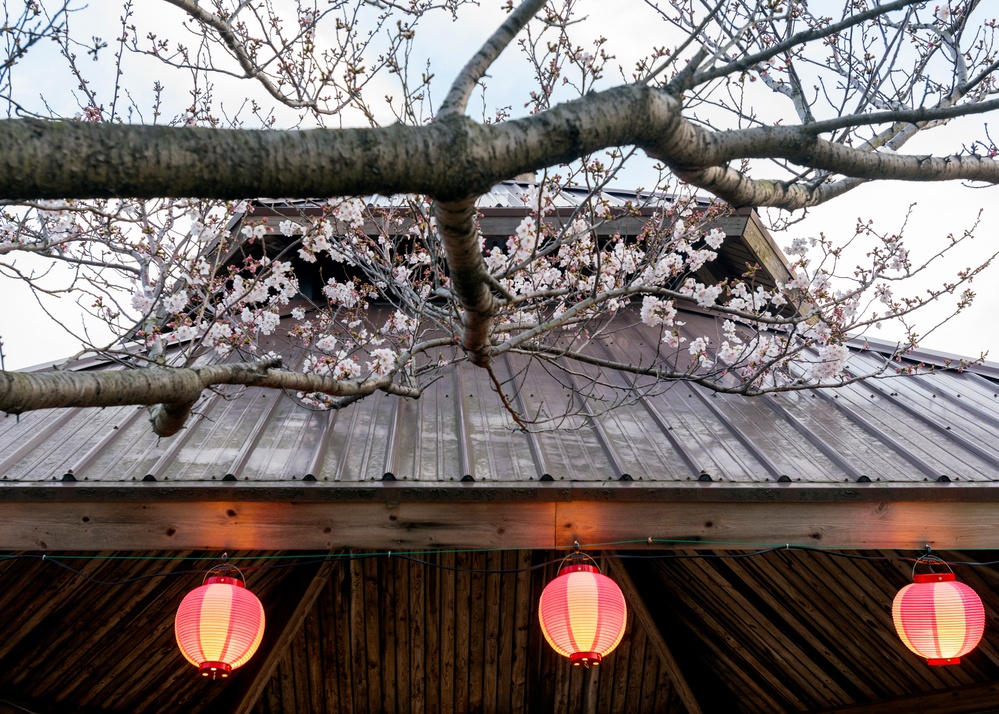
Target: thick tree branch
x=451, y=159
x=798, y=39
x=470, y=280
x=170, y=391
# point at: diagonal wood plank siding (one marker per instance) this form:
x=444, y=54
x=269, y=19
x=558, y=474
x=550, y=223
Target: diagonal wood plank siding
x=428, y=639
x=787, y=631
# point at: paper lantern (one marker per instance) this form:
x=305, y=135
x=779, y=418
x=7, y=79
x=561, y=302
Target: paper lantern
x=219, y=626
x=938, y=618
x=582, y=614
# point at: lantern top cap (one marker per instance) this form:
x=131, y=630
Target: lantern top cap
x=225, y=573
x=578, y=568
x=224, y=580
x=933, y=577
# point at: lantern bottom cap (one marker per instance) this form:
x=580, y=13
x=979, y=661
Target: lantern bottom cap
x=944, y=661
x=586, y=659
x=215, y=670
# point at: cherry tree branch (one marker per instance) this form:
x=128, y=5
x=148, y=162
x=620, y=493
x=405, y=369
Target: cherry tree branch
x=450, y=159
x=171, y=392
x=248, y=65
x=476, y=68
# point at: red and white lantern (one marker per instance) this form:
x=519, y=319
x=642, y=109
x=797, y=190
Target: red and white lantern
x=583, y=614
x=219, y=626
x=938, y=618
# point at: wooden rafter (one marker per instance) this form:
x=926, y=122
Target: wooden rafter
x=283, y=624
x=10, y=705
x=971, y=699
x=654, y=632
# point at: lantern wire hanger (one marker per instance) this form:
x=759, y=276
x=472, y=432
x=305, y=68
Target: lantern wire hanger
x=930, y=560
x=225, y=569
x=577, y=558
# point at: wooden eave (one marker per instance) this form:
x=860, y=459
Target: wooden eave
x=92, y=517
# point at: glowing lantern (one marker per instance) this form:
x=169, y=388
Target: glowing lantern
x=938, y=618
x=582, y=614
x=219, y=625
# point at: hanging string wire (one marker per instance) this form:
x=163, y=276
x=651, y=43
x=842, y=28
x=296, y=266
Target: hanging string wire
x=276, y=561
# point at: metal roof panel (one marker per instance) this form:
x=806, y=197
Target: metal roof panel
x=896, y=431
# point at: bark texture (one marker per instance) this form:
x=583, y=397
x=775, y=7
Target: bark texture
x=468, y=273
x=172, y=392
x=450, y=159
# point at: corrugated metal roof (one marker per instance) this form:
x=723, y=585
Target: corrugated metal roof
x=900, y=430
x=510, y=194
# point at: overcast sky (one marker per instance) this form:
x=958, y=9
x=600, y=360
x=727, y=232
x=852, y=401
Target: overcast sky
x=939, y=209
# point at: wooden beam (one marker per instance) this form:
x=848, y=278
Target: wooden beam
x=970, y=699
x=702, y=525
x=493, y=492
x=640, y=611
x=759, y=241
x=235, y=525
x=281, y=628
x=273, y=526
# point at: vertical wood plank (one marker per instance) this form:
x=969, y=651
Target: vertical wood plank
x=605, y=683
x=372, y=632
x=651, y=673
x=285, y=674
x=449, y=633
x=274, y=695
x=521, y=625
x=418, y=574
x=539, y=693
x=619, y=697
x=300, y=672
x=404, y=653
x=343, y=636
x=493, y=628
x=313, y=632
x=328, y=627
x=476, y=633
x=463, y=601
x=636, y=658
x=434, y=628
x=560, y=688
x=591, y=690
x=358, y=641
x=507, y=624
x=390, y=619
